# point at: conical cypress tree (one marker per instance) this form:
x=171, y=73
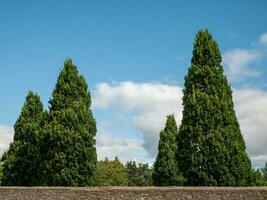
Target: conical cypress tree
x=21, y=161
x=165, y=168
x=68, y=144
x=211, y=147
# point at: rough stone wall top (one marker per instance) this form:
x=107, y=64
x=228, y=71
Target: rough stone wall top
x=140, y=193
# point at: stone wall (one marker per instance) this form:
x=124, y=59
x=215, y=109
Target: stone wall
x=142, y=193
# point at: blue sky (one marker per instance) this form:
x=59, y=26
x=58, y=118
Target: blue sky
x=140, y=47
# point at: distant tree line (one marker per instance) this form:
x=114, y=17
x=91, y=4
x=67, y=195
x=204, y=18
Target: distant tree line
x=114, y=173
x=56, y=147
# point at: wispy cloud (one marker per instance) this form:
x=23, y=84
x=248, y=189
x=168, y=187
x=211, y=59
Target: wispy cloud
x=263, y=39
x=233, y=35
x=239, y=63
x=243, y=63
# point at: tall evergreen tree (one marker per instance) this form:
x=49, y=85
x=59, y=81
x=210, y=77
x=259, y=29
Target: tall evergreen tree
x=211, y=147
x=21, y=161
x=68, y=138
x=165, y=168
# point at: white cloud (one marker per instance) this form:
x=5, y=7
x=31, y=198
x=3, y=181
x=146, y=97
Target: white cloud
x=242, y=63
x=251, y=108
x=145, y=104
x=239, y=63
x=125, y=149
x=6, y=136
x=263, y=39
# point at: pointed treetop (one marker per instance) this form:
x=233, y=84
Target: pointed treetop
x=70, y=87
x=33, y=99
x=31, y=113
x=206, y=51
x=170, y=123
x=69, y=66
x=32, y=106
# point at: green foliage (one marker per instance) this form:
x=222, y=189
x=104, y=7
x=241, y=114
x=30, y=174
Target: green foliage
x=138, y=174
x=110, y=173
x=68, y=144
x=258, y=178
x=165, y=170
x=264, y=171
x=212, y=151
x=114, y=173
x=21, y=161
x=1, y=173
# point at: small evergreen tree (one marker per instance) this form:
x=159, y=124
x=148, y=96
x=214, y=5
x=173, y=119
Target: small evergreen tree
x=165, y=168
x=68, y=146
x=211, y=147
x=21, y=161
